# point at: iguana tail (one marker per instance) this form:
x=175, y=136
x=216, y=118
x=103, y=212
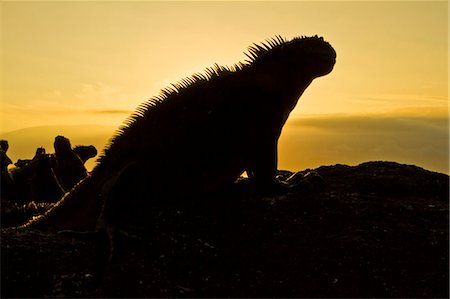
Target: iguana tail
x=77, y=210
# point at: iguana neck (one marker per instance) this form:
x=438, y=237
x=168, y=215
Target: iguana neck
x=281, y=82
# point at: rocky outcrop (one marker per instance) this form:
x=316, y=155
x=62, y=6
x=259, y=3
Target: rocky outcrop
x=379, y=229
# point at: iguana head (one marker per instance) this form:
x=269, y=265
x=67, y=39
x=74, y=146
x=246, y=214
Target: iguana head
x=310, y=57
x=62, y=144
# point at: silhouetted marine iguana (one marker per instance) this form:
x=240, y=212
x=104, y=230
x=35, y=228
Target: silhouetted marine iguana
x=196, y=136
x=85, y=152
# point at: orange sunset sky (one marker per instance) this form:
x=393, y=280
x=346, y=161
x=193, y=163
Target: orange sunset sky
x=80, y=68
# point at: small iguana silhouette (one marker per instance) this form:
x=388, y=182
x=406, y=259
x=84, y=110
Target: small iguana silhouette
x=196, y=136
x=85, y=152
x=69, y=168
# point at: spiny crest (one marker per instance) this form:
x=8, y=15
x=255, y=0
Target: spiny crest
x=148, y=106
x=255, y=52
x=210, y=73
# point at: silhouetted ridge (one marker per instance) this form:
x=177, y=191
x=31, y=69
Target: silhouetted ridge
x=337, y=239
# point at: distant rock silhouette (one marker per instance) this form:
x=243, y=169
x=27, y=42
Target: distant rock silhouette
x=39, y=152
x=197, y=137
x=36, y=179
x=44, y=185
x=4, y=162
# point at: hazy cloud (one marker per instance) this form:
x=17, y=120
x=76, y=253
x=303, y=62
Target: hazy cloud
x=388, y=103
x=100, y=95
x=409, y=98
x=371, y=124
x=54, y=94
x=352, y=139
x=125, y=112
x=22, y=116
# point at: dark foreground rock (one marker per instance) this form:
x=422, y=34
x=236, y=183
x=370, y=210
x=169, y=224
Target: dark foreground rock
x=375, y=230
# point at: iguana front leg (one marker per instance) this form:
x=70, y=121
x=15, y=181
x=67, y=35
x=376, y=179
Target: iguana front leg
x=263, y=163
x=263, y=156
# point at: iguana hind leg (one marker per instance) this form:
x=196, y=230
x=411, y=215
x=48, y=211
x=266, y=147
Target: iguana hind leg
x=120, y=194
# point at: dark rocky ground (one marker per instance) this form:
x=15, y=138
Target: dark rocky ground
x=375, y=230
